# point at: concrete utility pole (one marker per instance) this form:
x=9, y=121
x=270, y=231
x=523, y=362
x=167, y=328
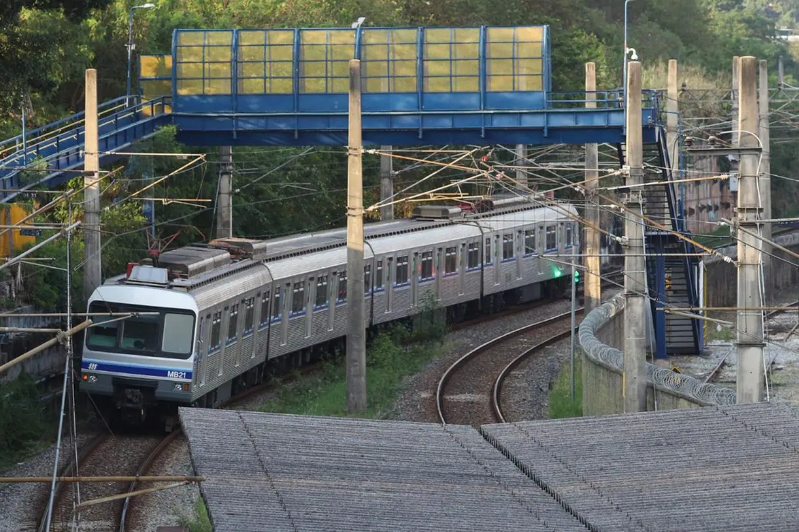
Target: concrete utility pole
x=356, y=339
x=92, y=270
x=749, y=344
x=592, y=289
x=634, y=261
x=673, y=118
x=765, y=175
x=224, y=207
x=521, y=162
x=736, y=63
x=386, y=183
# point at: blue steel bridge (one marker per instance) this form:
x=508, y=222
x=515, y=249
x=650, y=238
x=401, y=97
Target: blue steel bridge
x=420, y=86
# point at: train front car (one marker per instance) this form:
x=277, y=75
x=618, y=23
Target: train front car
x=137, y=360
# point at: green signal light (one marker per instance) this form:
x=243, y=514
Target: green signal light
x=558, y=273
x=576, y=276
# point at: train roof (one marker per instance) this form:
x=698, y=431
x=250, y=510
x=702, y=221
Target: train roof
x=195, y=266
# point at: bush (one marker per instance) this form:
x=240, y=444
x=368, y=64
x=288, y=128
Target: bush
x=23, y=421
x=199, y=522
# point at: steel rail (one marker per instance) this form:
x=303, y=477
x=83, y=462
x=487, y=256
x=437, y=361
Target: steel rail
x=483, y=348
x=496, y=392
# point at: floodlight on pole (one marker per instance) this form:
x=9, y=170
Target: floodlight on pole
x=358, y=23
x=130, y=45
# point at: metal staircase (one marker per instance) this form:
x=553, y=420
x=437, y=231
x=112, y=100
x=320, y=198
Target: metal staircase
x=671, y=280
x=52, y=153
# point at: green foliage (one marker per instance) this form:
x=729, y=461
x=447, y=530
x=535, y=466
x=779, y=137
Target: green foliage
x=390, y=357
x=199, y=520
x=24, y=426
x=560, y=402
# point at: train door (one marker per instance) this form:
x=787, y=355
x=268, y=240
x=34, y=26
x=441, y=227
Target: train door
x=497, y=260
x=415, y=279
x=519, y=254
x=310, y=297
x=462, y=270
x=390, y=276
x=285, y=306
x=439, y=271
x=540, y=245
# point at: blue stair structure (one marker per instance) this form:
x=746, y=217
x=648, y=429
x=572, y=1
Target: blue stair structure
x=671, y=280
x=420, y=86
x=53, y=154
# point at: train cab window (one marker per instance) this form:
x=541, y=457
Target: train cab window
x=473, y=255
x=104, y=332
x=249, y=314
x=140, y=333
x=277, y=311
x=367, y=279
x=321, y=292
x=342, y=287
x=216, y=326
x=488, y=251
x=427, y=266
x=451, y=260
x=298, y=299
x=379, y=276
x=402, y=271
x=569, y=236
x=178, y=333
x=552, y=238
x=529, y=242
x=507, y=246
x=233, y=324
x=263, y=321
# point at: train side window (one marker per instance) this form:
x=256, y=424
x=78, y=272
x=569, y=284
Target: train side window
x=473, y=255
x=402, y=271
x=427, y=266
x=216, y=329
x=529, y=242
x=488, y=251
x=451, y=260
x=342, y=287
x=379, y=276
x=264, y=319
x=249, y=315
x=276, y=310
x=367, y=279
x=298, y=299
x=552, y=238
x=507, y=246
x=233, y=323
x=321, y=292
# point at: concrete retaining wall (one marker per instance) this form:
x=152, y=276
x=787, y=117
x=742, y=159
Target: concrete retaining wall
x=722, y=277
x=601, y=336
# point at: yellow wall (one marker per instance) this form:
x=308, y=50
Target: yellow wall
x=18, y=241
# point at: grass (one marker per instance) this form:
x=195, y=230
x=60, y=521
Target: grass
x=199, y=521
x=715, y=332
x=560, y=403
x=392, y=355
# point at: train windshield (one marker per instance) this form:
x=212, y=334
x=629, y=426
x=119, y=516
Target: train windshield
x=154, y=332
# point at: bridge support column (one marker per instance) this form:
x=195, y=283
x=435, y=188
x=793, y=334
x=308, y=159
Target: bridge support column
x=765, y=177
x=634, y=376
x=592, y=289
x=672, y=126
x=92, y=269
x=749, y=342
x=356, y=337
x=224, y=207
x=386, y=183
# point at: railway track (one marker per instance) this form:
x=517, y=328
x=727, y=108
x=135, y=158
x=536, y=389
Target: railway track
x=470, y=390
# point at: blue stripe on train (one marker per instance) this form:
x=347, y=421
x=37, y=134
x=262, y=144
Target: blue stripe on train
x=150, y=371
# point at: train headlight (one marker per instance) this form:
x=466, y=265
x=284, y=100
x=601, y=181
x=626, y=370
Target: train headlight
x=182, y=386
x=91, y=379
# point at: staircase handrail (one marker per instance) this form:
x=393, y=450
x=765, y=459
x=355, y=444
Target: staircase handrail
x=35, y=136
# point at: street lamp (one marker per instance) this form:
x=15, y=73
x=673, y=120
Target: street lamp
x=626, y=51
x=130, y=44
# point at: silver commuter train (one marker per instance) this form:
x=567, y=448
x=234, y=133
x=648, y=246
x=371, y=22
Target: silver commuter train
x=213, y=316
